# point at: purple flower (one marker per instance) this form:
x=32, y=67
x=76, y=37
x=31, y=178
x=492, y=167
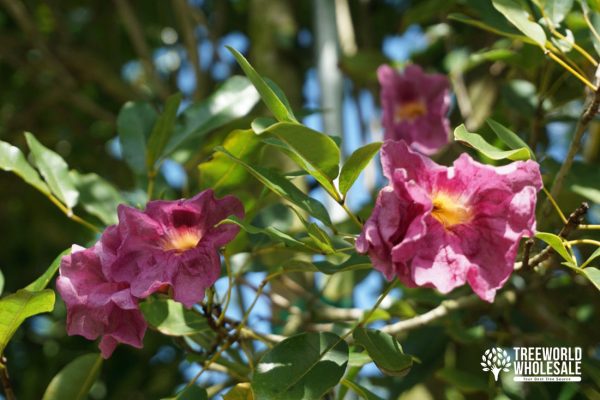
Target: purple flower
x=442, y=227
x=97, y=306
x=415, y=105
x=172, y=245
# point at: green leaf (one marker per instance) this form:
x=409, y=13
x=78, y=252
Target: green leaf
x=224, y=175
x=1, y=282
x=360, y=390
x=509, y=138
x=313, y=151
x=556, y=242
x=15, y=308
x=191, y=393
x=593, y=274
x=241, y=391
x=355, y=164
x=261, y=124
x=486, y=27
x=172, y=318
x=134, y=125
x=54, y=170
x=302, y=367
x=268, y=95
x=162, y=131
x=385, y=350
x=98, y=196
x=591, y=258
x=516, y=13
x=41, y=282
x=556, y=10
x=274, y=233
x=76, y=379
x=232, y=100
x=481, y=145
x=284, y=188
x=354, y=263
x=13, y=160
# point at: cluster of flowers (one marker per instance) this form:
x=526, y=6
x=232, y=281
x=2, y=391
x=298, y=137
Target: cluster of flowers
x=432, y=225
x=172, y=247
x=438, y=226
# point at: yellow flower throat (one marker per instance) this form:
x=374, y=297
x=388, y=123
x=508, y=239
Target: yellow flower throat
x=181, y=240
x=410, y=110
x=450, y=210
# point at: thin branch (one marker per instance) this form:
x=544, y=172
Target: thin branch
x=6, y=385
x=528, y=244
x=586, y=117
x=440, y=311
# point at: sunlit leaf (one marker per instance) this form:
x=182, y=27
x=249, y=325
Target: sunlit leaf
x=17, y=307
x=591, y=258
x=13, y=160
x=593, y=274
x=557, y=244
x=355, y=164
x=509, y=138
x=75, y=380
x=43, y=280
x=302, y=367
x=284, y=188
x=172, y=318
x=98, y=196
x=480, y=144
x=515, y=12
x=241, y=391
x=268, y=95
x=54, y=170
x=556, y=10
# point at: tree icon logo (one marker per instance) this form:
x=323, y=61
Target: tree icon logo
x=495, y=360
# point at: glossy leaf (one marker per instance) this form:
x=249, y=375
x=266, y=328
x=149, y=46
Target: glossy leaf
x=241, y=391
x=17, y=307
x=482, y=25
x=313, y=151
x=302, y=367
x=516, y=13
x=224, y=175
x=556, y=10
x=232, y=100
x=480, y=144
x=13, y=160
x=76, y=379
x=355, y=164
x=509, y=138
x=134, y=125
x=43, y=280
x=284, y=188
x=591, y=258
x=98, y=196
x=54, y=170
x=557, y=244
x=360, y=390
x=593, y=274
x=385, y=350
x=162, y=131
x=172, y=318
x=354, y=263
x=268, y=95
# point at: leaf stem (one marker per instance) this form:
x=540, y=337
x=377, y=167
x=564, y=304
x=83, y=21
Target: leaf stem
x=69, y=213
x=555, y=205
x=583, y=241
x=571, y=70
x=352, y=216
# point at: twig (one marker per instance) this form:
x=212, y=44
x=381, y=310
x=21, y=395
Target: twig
x=586, y=117
x=440, y=311
x=528, y=244
x=8, y=391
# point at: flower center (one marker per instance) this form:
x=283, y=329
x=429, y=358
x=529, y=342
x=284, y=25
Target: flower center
x=450, y=210
x=181, y=240
x=411, y=110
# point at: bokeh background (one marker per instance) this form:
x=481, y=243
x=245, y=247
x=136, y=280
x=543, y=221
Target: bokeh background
x=67, y=67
